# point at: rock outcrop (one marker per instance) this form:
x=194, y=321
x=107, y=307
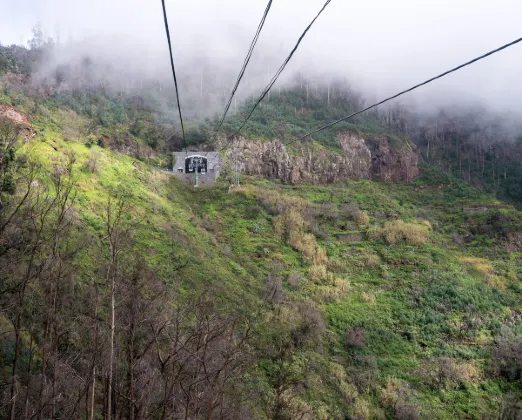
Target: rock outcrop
x=371, y=157
x=17, y=118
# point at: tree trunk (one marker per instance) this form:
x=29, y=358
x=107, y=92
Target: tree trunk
x=95, y=349
x=111, y=354
x=55, y=340
x=131, y=388
x=459, y=151
x=91, y=410
x=328, y=102
x=26, y=411
x=12, y=400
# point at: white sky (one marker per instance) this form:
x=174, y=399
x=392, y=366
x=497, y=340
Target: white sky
x=382, y=45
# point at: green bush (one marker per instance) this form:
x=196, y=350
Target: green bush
x=8, y=183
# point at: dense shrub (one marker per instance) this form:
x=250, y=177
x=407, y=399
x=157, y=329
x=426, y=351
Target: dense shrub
x=399, y=231
x=92, y=165
x=293, y=220
x=495, y=224
x=370, y=260
x=273, y=288
x=328, y=211
x=276, y=203
x=368, y=298
x=362, y=218
x=303, y=242
x=279, y=225
x=252, y=212
x=320, y=256
x=349, y=211
x=317, y=272
x=451, y=373
x=319, y=230
x=404, y=411
x=364, y=372
x=294, y=279
x=507, y=356
x=338, y=265
x=447, y=373
x=511, y=407
x=355, y=337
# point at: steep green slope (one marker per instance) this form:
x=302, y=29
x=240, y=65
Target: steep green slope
x=84, y=226
x=354, y=300
x=413, y=321
x=293, y=111
x=142, y=115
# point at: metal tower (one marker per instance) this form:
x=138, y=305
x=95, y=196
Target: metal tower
x=236, y=170
x=195, y=164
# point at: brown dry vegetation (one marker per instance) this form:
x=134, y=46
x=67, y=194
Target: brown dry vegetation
x=399, y=231
x=317, y=272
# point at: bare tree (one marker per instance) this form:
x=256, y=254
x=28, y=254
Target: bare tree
x=117, y=232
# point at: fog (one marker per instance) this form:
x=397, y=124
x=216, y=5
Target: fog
x=379, y=45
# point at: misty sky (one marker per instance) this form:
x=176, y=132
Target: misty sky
x=380, y=45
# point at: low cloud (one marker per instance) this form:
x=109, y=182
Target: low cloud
x=380, y=46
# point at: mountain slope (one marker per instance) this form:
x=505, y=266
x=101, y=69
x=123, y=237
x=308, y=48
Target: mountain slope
x=360, y=299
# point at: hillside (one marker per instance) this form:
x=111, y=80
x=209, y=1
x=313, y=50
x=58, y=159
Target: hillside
x=360, y=299
x=481, y=148
x=345, y=278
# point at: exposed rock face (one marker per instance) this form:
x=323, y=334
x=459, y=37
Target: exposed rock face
x=392, y=164
x=18, y=118
x=361, y=158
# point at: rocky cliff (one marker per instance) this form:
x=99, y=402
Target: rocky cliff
x=19, y=119
x=371, y=157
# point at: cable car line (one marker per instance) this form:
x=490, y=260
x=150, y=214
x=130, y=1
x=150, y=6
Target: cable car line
x=276, y=76
x=174, y=74
x=245, y=64
x=410, y=89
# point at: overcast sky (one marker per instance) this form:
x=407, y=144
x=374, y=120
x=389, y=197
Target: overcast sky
x=381, y=45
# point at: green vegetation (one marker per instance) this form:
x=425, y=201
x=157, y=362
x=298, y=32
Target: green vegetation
x=126, y=293
x=294, y=111
x=476, y=147
x=367, y=299
x=414, y=320
x=138, y=118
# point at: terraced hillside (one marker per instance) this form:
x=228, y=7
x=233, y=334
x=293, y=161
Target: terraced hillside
x=415, y=294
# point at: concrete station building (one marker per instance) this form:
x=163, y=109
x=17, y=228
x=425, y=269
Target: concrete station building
x=208, y=165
